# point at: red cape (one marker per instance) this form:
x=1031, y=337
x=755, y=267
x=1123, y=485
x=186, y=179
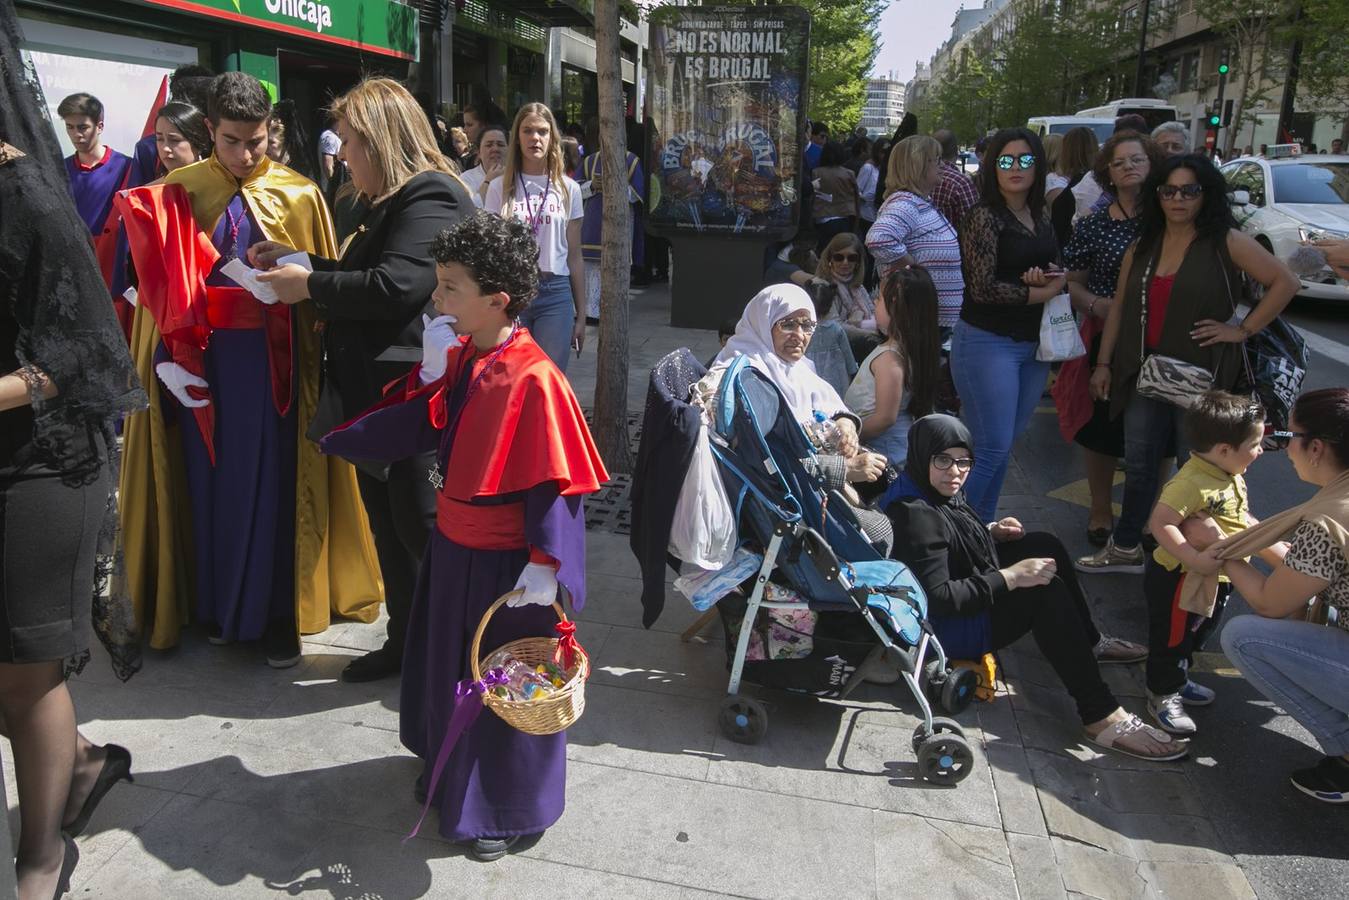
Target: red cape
x=173, y=257
x=521, y=428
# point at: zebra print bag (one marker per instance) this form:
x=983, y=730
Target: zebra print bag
x=1166, y=378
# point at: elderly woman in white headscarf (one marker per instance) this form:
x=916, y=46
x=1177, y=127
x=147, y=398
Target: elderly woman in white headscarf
x=773, y=334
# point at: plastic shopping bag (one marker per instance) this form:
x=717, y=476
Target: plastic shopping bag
x=703, y=531
x=1059, y=340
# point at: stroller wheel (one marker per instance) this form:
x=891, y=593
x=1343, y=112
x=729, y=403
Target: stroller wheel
x=958, y=691
x=743, y=719
x=940, y=725
x=945, y=759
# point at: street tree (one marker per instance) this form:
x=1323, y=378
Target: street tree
x=611, y=366
x=1323, y=77
x=1255, y=32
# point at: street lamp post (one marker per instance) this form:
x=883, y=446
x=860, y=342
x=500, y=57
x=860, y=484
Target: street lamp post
x=1142, y=46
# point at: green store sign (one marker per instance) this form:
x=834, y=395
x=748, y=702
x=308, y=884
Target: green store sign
x=376, y=26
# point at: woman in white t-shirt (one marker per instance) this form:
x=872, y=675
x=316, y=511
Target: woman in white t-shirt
x=491, y=151
x=535, y=190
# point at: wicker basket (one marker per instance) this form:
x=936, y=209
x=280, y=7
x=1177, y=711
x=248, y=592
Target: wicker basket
x=545, y=715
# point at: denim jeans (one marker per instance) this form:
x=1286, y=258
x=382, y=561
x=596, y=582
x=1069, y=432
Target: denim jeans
x=1000, y=382
x=551, y=316
x=1149, y=426
x=1301, y=666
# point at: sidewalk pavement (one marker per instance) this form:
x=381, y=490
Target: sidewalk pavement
x=252, y=782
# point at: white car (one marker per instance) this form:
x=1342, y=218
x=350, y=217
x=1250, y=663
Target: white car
x=968, y=161
x=1284, y=202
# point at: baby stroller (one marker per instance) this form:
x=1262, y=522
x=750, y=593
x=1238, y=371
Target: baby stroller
x=813, y=546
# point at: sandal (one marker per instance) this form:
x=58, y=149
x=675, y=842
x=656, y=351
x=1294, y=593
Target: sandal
x=1117, y=650
x=1132, y=737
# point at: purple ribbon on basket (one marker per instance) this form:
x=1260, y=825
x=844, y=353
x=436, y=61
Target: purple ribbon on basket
x=467, y=705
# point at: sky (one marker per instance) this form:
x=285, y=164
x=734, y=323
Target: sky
x=911, y=30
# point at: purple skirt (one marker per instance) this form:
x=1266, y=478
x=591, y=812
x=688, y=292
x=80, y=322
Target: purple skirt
x=498, y=781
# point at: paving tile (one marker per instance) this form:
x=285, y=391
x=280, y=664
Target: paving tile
x=656, y=661
x=1037, y=872
x=940, y=859
x=1219, y=881
x=372, y=704
x=1018, y=799
x=610, y=554
x=1096, y=873
x=710, y=836
x=665, y=734
x=195, y=847
x=616, y=600
x=849, y=755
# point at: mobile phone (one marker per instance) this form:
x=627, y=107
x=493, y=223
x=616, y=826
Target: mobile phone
x=576, y=345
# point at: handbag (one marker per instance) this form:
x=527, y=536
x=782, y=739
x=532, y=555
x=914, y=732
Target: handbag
x=1166, y=378
x=1059, y=337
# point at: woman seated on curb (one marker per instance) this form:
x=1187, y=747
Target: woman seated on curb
x=773, y=334
x=987, y=585
x=1299, y=664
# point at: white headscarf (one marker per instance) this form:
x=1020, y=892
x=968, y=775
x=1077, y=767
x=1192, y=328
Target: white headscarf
x=805, y=390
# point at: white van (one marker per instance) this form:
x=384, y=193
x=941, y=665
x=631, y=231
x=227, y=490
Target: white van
x=1154, y=112
x=1043, y=125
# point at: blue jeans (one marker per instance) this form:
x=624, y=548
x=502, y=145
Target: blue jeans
x=1000, y=382
x=551, y=316
x=1301, y=666
x=1149, y=426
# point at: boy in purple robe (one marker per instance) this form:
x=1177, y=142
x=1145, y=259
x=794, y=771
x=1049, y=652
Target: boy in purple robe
x=97, y=173
x=515, y=458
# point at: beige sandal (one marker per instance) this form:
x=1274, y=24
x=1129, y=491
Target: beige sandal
x=1133, y=737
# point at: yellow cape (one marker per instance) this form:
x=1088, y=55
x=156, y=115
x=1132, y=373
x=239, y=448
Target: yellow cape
x=336, y=571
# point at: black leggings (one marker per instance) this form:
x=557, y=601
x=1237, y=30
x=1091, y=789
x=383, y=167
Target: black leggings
x=1057, y=615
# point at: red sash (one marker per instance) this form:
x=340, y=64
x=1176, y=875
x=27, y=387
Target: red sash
x=235, y=308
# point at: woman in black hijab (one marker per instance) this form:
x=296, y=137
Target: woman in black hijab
x=65, y=380
x=987, y=585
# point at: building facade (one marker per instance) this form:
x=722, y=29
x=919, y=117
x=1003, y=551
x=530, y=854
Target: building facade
x=884, y=106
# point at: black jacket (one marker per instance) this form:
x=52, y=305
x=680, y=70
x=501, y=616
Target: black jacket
x=956, y=585
x=372, y=299
x=669, y=432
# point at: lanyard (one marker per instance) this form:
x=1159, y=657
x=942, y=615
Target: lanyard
x=447, y=438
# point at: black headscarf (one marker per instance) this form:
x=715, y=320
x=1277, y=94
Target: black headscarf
x=67, y=332
x=929, y=436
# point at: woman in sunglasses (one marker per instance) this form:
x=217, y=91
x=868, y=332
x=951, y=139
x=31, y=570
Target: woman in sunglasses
x=987, y=585
x=1009, y=255
x=844, y=266
x=1177, y=297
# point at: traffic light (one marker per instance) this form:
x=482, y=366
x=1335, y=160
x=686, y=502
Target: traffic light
x=1222, y=69
x=1214, y=120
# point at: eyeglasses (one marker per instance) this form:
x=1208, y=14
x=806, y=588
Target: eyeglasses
x=1024, y=161
x=944, y=461
x=1279, y=440
x=1185, y=191
x=1134, y=162
x=805, y=326
x=846, y=257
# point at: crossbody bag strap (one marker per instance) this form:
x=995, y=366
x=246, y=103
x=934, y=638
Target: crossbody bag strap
x=1143, y=309
x=1226, y=262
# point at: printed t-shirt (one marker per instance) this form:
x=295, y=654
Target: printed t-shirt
x=545, y=209
x=1201, y=488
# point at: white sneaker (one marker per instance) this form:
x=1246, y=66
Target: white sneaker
x=1195, y=694
x=1168, y=710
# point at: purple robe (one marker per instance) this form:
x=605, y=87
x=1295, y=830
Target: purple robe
x=145, y=161
x=498, y=781
x=93, y=190
x=243, y=507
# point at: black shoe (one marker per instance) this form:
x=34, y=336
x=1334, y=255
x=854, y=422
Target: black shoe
x=281, y=643
x=68, y=864
x=1098, y=536
x=492, y=849
x=116, y=767
x=1149, y=543
x=215, y=635
x=373, y=666
x=1327, y=781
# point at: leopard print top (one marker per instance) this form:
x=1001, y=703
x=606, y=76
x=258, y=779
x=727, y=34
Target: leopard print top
x=1313, y=553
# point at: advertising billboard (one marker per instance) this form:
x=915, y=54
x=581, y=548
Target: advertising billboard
x=726, y=120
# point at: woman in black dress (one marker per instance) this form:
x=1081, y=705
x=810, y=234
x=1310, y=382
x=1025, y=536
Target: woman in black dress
x=65, y=379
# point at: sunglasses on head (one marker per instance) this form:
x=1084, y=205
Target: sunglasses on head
x=846, y=257
x=1023, y=161
x=944, y=461
x=1185, y=191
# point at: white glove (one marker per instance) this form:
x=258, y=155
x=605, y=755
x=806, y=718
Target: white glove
x=437, y=339
x=178, y=380
x=539, y=583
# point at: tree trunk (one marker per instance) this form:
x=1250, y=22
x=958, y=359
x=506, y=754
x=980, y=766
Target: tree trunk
x=611, y=367
x=1239, y=107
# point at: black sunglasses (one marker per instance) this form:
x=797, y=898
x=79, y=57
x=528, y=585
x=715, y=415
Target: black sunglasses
x=846, y=257
x=1186, y=191
x=1279, y=440
x=1023, y=161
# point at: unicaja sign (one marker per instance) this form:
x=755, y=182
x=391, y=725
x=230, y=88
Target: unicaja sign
x=320, y=15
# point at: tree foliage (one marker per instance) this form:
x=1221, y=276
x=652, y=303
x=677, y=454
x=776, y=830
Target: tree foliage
x=1324, y=77
x=1255, y=31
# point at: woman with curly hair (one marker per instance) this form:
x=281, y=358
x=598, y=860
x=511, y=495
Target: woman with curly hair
x=373, y=301
x=508, y=517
